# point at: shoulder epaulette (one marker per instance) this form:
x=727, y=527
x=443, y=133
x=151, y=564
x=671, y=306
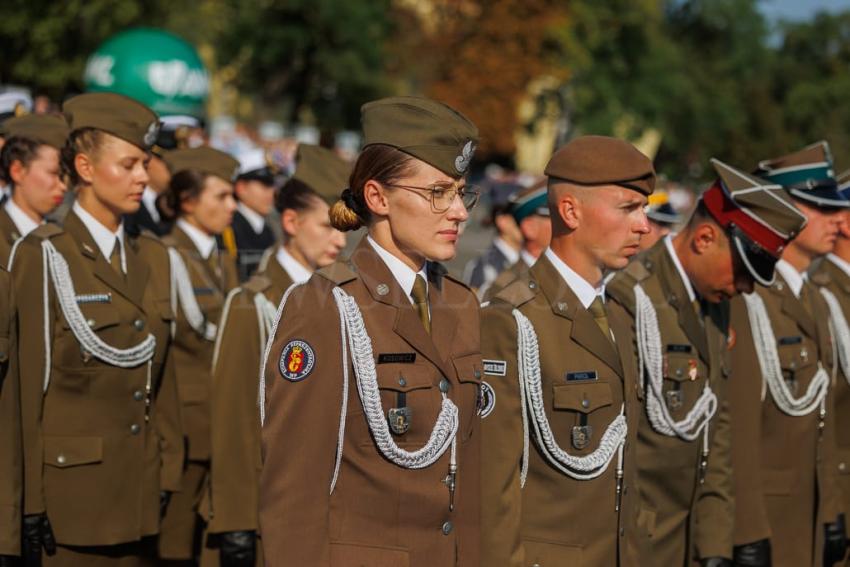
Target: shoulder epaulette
x=820, y=277
x=257, y=284
x=637, y=270
x=518, y=292
x=147, y=236
x=338, y=272
x=48, y=230
x=168, y=241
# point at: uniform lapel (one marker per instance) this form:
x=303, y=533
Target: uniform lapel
x=795, y=309
x=137, y=271
x=443, y=313
x=185, y=243
x=676, y=293
x=8, y=227
x=383, y=287
x=280, y=280
x=564, y=303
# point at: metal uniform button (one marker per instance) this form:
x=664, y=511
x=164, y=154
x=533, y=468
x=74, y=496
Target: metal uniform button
x=138, y=395
x=477, y=373
x=135, y=429
x=139, y=324
x=447, y=528
x=444, y=385
x=402, y=381
x=60, y=459
x=842, y=467
x=585, y=404
x=90, y=323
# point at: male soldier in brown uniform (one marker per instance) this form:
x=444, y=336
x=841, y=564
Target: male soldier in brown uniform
x=677, y=294
x=371, y=432
x=832, y=276
x=207, y=277
x=559, y=368
x=249, y=314
x=30, y=164
x=11, y=454
x=787, y=500
x=101, y=426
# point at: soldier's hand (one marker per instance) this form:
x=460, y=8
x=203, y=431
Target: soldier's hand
x=835, y=544
x=756, y=554
x=238, y=549
x=37, y=536
x=715, y=562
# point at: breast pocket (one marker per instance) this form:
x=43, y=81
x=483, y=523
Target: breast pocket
x=411, y=401
x=684, y=380
x=589, y=410
x=797, y=359
x=69, y=354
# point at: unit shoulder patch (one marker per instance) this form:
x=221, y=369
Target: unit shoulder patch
x=297, y=360
x=486, y=400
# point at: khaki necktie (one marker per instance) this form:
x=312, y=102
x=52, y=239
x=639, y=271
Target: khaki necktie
x=597, y=310
x=420, y=300
x=115, y=258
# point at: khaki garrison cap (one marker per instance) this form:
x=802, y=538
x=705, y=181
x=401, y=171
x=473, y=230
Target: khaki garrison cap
x=807, y=175
x=758, y=215
x=600, y=160
x=204, y=159
x=322, y=171
x=41, y=128
x=423, y=128
x=115, y=114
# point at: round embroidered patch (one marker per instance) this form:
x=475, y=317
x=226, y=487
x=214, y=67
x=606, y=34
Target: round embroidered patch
x=486, y=400
x=296, y=360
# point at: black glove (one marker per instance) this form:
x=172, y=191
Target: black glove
x=835, y=542
x=715, y=562
x=37, y=535
x=164, y=499
x=756, y=554
x=238, y=549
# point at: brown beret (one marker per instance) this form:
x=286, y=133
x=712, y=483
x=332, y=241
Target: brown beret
x=115, y=114
x=426, y=129
x=600, y=160
x=322, y=170
x=204, y=159
x=41, y=128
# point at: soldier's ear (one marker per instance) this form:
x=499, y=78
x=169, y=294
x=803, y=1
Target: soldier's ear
x=704, y=236
x=85, y=167
x=375, y=197
x=569, y=209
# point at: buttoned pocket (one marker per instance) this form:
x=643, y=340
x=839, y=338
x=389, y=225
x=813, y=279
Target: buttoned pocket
x=411, y=401
x=584, y=411
x=683, y=367
x=404, y=378
x=795, y=357
x=355, y=555
x=98, y=316
x=546, y=553
x=64, y=452
x=583, y=398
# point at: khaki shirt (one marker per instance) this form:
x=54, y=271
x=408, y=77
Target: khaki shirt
x=96, y=455
x=687, y=512
x=556, y=520
x=785, y=486
x=11, y=452
x=379, y=514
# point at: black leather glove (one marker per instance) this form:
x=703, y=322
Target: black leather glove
x=238, y=549
x=756, y=554
x=37, y=536
x=835, y=542
x=715, y=562
x=164, y=499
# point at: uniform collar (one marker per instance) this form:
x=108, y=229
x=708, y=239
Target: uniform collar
x=792, y=277
x=255, y=219
x=291, y=266
x=400, y=271
x=527, y=258
x=840, y=263
x=509, y=253
x=103, y=237
x=202, y=241
x=149, y=203
x=585, y=292
x=686, y=281
x=23, y=222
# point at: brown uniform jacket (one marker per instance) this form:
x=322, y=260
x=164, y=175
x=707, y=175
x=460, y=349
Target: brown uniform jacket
x=9, y=234
x=785, y=483
x=508, y=275
x=211, y=281
x=556, y=520
x=95, y=457
x=684, y=518
x=834, y=279
x=11, y=453
x=379, y=514
x=236, y=461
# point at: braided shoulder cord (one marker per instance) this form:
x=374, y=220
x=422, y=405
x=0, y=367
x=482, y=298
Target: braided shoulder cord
x=261, y=394
x=56, y=269
x=580, y=468
x=183, y=293
x=771, y=369
x=650, y=358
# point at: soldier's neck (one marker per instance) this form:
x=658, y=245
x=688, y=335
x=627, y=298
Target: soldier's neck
x=101, y=212
x=842, y=248
x=578, y=259
x=797, y=257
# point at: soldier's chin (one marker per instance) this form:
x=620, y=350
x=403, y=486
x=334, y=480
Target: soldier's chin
x=442, y=252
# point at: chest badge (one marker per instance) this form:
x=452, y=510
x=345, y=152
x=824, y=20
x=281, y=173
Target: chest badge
x=581, y=435
x=296, y=360
x=692, y=369
x=399, y=419
x=675, y=398
x=486, y=400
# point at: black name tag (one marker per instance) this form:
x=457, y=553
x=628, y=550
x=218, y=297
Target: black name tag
x=495, y=367
x=203, y=290
x=397, y=358
x=790, y=340
x=679, y=348
x=581, y=376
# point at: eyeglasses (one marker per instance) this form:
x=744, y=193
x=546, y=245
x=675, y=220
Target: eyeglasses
x=442, y=196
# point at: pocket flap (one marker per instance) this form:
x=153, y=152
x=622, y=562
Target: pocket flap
x=583, y=398
x=682, y=367
x=354, y=555
x=795, y=357
x=193, y=393
x=543, y=553
x=164, y=308
x=98, y=316
x=405, y=377
x=65, y=452
x=468, y=367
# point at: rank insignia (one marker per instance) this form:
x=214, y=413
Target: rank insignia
x=692, y=369
x=581, y=435
x=297, y=360
x=399, y=419
x=486, y=400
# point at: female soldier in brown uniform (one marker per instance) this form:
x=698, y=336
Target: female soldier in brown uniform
x=370, y=434
x=310, y=242
x=101, y=430
x=200, y=199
